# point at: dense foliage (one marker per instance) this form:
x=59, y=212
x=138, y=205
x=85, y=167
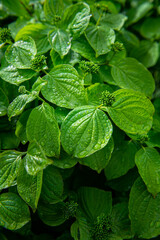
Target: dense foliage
x=79, y=119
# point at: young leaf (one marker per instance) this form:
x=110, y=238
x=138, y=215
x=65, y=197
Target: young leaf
x=85, y=130
x=148, y=163
x=42, y=127
x=98, y=160
x=9, y=167
x=64, y=87
x=3, y=103
x=129, y=73
x=100, y=38
x=35, y=160
x=14, y=213
x=19, y=103
x=21, y=53
x=13, y=75
x=76, y=19
x=121, y=161
x=52, y=188
x=132, y=111
x=39, y=33
x=29, y=187
x=144, y=211
x=53, y=8
x=94, y=202
x=60, y=41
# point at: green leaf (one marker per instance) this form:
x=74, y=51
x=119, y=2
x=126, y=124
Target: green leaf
x=144, y=211
x=9, y=140
x=61, y=113
x=98, y=160
x=9, y=167
x=53, y=8
x=14, y=213
x=16, y=7
x=132, y=111
x=19, y=103
x=3, y=103
x=13, y=75
x=148, y=163
x=42, y=127
x=51, y=214
x=136, y=13
x=39, y=33
x=141, y=80
x=82, y=46
x=60, y=41
x=121, y=224
x=94, y=202
x=64, y=87
x=147, y=53
x=114, y=21
x=52, y=188
x=38, y=84
x=21, y=126
x=150, y=28
x=94, y=93
x=29, y=187
x=35, y=160
x=121, y=161
x=21, y=53
x=100, y=38
x=85, y=130
x=76, y=19
x=80, y=229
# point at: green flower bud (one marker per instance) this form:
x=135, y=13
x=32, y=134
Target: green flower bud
x=5, y=35
x=88, y=67
x=107, y=98
x=22, y=89
x=117, y=47
x=70, y=209
x=39, y=63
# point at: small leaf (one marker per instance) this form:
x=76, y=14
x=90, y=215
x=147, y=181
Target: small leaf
x=64, y=87
x=52, y=188
x=100, y=38
x=53, y=8
x=35, y=160
x=29, y=187
x=132, y=111
x=150, y=28
x=85, y=130
x=19, y=103
x=21, y=53
x=9, y=167
x=60, y=41
x=144, y=211
x=148, y=163
x=3, y=103
x=94, y=202
x=76, y=19
x=42, y=127
x=141, y=80
x=14, y=213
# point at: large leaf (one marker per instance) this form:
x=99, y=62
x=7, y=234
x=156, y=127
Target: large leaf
x=129, y=73
x=14, y=213
x=39, y=33
x=29, y=187
x=148, y=163
x=80, y=229
x=85, y=130
x=76, y=18
x=115, y=21
x=17, y=106
x=95, y=202
x=42, y=126
x=121, y=161
x=3, y=103
x=16, y=7
x=64, y=87
x=100, y=38
x=144, y=211
x=52, y=188
x=53, y=8
x=21, y=53
x=35, y=160
x=98, y=160
x=60, y=41
x=9, y=167
x=132, y=111
x=13, y=75
x=151, y=28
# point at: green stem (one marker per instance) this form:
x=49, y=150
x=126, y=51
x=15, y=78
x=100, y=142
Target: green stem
x=45, y=72
x=41, y=99
x=99, y=19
